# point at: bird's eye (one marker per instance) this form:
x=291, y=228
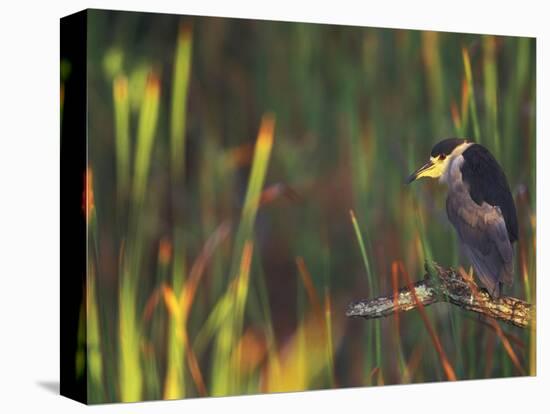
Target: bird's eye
x=442, y=157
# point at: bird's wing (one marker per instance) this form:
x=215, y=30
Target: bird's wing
x=483, y=230
x=487, y=183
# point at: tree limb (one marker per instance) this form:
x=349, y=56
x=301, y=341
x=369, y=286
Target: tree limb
x=446, y=285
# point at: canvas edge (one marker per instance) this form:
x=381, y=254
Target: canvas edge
x=73, y=234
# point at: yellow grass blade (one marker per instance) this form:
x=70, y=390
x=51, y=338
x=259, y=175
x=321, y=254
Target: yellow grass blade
x=303, y=358
x=95, y=362
x=174, y=383
x=230, y=325
x=145, y=137
x=225, y=381
x=129, y=333
x=122, y=133
x=472, y=101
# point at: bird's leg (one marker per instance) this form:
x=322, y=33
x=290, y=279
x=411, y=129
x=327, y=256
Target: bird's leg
x=496, y=291
x=469, y=279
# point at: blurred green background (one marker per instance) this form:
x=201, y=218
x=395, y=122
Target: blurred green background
x=246, y=182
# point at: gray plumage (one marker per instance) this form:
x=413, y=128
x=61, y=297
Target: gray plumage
x=484, y=239
x=484, y=233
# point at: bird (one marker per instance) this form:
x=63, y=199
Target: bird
x=479, y=205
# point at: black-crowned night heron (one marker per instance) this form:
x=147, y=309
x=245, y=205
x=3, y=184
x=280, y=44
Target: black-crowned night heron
x=479, y=205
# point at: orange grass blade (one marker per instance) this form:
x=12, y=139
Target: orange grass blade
x=505, y=342
x=179, y=306
x=465, y=98
x=398, y=346
x=416, y=358
x=328, y=327
x=88, y=194
x=172, y=303
x=189, y=289
x=310, y=287
x=194, y=367
x=455, y=116
x=151, y=305
x=511, y=337
x=508, y=347
x=373, y=373
x=395, y=287
x=447, y=367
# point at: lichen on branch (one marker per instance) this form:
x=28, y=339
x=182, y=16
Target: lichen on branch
x=446, y=285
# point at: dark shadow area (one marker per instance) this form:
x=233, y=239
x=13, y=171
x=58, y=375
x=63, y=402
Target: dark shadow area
x=51, y=386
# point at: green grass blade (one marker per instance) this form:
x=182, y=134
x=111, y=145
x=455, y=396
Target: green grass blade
x=223, y=380
x=180, y=82
x=145, y=137
x=472, y=98
x=122, y=134
x=129, y=334
x=362, y=249
x=95, y=360
x=371, y=283
x=490, y=80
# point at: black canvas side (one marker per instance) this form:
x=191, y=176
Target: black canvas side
x=73, y=378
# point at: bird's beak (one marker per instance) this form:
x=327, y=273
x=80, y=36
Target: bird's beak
x=420, y=172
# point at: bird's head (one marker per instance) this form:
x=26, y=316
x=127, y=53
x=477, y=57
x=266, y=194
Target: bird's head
x=440, y=158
